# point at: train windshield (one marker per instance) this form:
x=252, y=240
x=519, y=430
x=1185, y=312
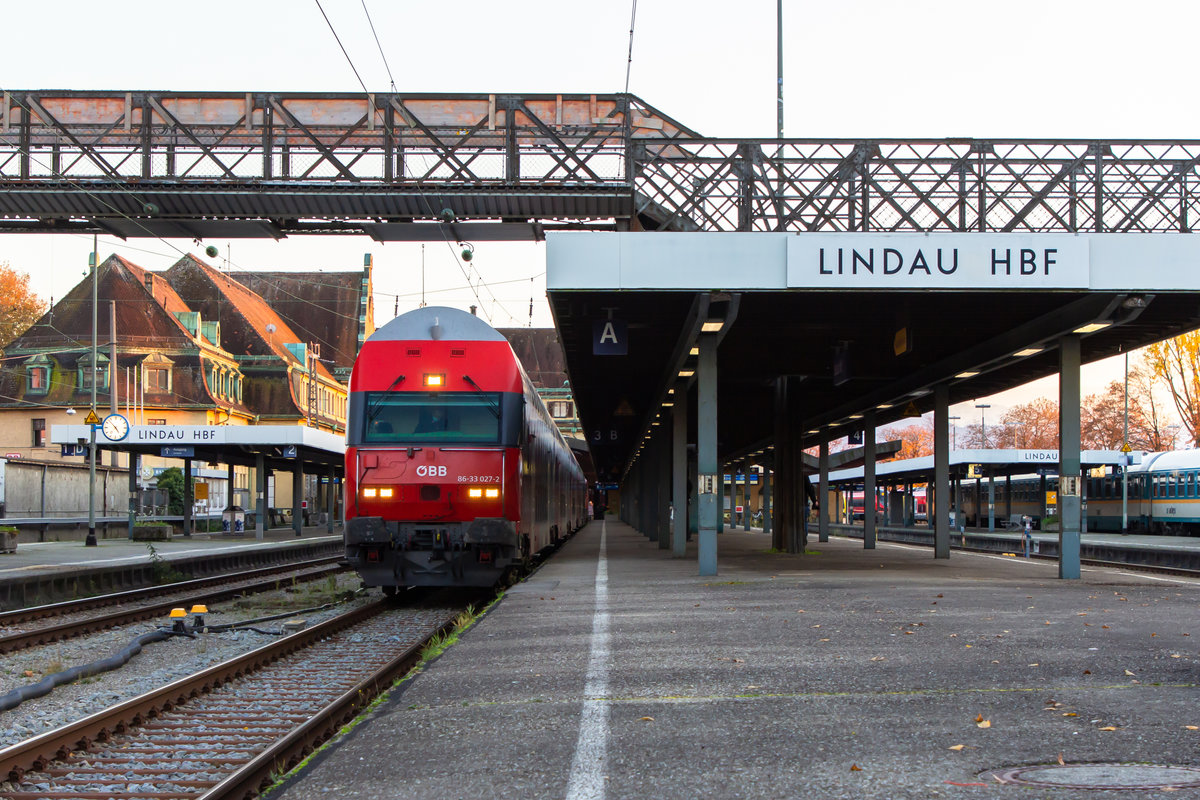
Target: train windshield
x=426, y=417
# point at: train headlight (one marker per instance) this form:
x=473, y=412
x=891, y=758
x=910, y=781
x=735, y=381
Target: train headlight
x=491, y=492
x=474, y=492
x=370, y=492
x=386, y=492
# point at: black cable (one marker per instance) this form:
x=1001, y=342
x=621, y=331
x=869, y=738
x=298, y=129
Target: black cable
x=47, y=684
x=380, y=46
x=339, y=41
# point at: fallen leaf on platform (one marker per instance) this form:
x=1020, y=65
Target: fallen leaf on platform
x=987, y=723
x=1034, y=664
x=957, y=746
x=1109, y=728
x=908, y=633
x=1087, y=672
x=1060, y=760
x=969, y=645
x=979, y=718
x=1127, y=672
x=855, y=768
x=1105, y=627
x=824, y=640
x=816, y=626
x=939, y=595
x=1192, y=727
x=645, y=719
x=878, y=658
x=739, y=661
x=1070, y=714
x=28, y=673
x=1176, y=655
x=800, y=611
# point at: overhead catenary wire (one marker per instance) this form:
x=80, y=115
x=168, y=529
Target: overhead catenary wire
x=629, y=60
x=339, y=41
x=424, y=199
x=380, y=46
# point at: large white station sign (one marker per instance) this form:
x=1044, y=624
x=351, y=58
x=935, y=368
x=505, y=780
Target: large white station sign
x=937, y=261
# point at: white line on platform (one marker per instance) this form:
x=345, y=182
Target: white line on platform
x=1185, y=581
x=587, y=768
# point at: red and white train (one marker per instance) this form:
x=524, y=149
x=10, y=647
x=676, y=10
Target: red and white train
x=455, y=471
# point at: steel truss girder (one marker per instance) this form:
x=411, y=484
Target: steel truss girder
x=589, y=160
x=933, y=185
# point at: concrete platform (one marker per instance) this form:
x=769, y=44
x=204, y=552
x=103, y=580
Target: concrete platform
x=43, y=572
x=617, y=672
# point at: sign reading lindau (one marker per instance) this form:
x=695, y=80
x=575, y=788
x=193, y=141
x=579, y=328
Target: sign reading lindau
x=988, y=261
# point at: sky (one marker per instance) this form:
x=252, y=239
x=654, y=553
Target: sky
x=854, y=68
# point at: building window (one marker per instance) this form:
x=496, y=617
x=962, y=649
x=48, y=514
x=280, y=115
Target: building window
x=560, y=409
x=39, y=433
x=100, y=372
x=38, y=382
x=158, y=379
x=156, y=422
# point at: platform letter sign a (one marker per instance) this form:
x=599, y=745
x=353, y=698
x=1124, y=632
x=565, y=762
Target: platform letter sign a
x=609, y=337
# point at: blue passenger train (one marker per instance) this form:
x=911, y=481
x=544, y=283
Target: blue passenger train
x=1164, y=496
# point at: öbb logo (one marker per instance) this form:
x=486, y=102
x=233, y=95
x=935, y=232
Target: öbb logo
x=431, y=471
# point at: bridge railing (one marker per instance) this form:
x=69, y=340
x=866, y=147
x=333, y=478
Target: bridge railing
x=921, y=185
x=248, y=156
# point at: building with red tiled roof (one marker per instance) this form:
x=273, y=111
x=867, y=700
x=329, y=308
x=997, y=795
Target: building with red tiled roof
x=190, y=346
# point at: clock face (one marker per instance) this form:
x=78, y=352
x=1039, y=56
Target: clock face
x=115, y=427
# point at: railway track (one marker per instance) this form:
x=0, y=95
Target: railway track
x=227, y=731
x=205, y=590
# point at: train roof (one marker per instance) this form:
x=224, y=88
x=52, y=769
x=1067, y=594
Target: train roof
x=1169, y=461
x=434, y=323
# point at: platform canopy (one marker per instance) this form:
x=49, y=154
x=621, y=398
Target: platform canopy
x=867, y=322
x=280, y=445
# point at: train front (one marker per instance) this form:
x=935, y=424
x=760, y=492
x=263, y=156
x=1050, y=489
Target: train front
x=432, y=458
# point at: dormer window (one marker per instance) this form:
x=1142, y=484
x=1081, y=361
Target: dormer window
x=86, y=372
x=156, y=374
x=37, y=374
x=158, y=379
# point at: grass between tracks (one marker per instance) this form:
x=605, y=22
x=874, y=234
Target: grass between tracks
x=437, y=645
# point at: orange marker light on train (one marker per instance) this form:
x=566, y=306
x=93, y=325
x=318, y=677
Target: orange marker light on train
x=491, y=492
x=385, y=492
x=474, y=491
x=435, y=380
x=370, y=492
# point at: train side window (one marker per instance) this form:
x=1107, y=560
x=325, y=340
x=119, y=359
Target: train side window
x=1191, y=484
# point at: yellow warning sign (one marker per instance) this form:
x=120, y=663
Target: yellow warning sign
x=1125, y=448
x=91, y=418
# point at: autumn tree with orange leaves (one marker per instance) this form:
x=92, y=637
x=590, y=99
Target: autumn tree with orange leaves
x=916, y=439
x=1103, y=416
x=19, y=306
x=1030, y=426
x=1177, y=363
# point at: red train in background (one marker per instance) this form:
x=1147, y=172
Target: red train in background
x=455, y=471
